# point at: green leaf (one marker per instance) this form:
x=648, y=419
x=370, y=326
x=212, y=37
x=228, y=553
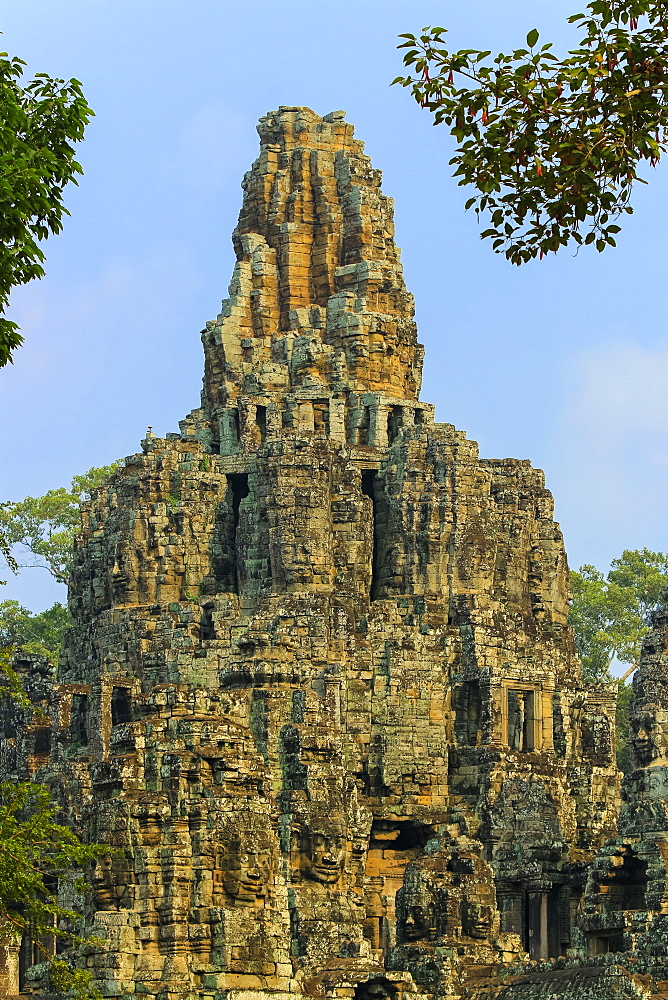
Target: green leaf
x=562, y=142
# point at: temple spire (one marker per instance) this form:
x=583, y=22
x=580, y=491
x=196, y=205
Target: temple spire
x=317, y=302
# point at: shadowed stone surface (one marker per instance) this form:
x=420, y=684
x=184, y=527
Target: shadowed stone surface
x=320, y=694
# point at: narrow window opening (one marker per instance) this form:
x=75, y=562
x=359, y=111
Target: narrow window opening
x=79, y=719
x=207, y=628
x=42, y=740
x=411, y=836
x=238, y=484
x=261, y=421
x=468, y=712
x=369, y=490
x=558, y=728
x=235, y=425
x=120, y=706
x=626, y=886
x=554, y=923
x=363, y=426
x=535, y=928
x=321, y=416
x=528, y=730
x=26, y=960
x=546, y=921
x=394, y=423
x=34, y=952
x=368, y=483
x=606, y=944
x=521, y=720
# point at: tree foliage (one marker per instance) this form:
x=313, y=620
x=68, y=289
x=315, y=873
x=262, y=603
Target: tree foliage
x=40, y=123
x=6, y=549
x=43, y=528
x=11, y=689
x=40, y=633
x=624, y=695
x=551, y=146
x=610, y=614
x=35, y=852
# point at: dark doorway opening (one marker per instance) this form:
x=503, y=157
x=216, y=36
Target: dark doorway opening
x=626, y=885
x=120, y=706
x=261, y=421
x=79, y=719
x=370, y=490
x=394, y=423
x=238, y=485
x=207, y=629
x=363, y=426
x=43, y=740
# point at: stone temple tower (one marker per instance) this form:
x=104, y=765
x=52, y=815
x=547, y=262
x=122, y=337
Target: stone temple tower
x=321, y=694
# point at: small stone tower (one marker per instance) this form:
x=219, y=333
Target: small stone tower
x=320, y=693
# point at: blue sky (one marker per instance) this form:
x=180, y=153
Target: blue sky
x=563, y=361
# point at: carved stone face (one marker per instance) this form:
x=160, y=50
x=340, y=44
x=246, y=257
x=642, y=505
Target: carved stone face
x=649, y=734
x=643, y=739
x=109, y=882
x=247, y=868
x=476, y=920
x=418, y=922
x=122, y=576
x=326, y=855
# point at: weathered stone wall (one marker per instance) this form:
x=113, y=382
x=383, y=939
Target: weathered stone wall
x=321, y=692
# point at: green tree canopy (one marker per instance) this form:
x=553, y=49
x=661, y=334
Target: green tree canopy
x=40, y=633
x=551, y=146
x=42, y=528
x=40, y=123
x=6, y=549
x=36, y=852
x=610, y=614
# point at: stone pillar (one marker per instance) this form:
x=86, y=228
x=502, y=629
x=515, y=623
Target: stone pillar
x=378, y=424
x=9, y=963
x=337, y=420
x=305, y=416
x=537, y=921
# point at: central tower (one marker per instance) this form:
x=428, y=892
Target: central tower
x=321, y=693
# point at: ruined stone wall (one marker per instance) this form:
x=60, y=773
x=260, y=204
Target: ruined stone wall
x=320, y=692
x=620, y=934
